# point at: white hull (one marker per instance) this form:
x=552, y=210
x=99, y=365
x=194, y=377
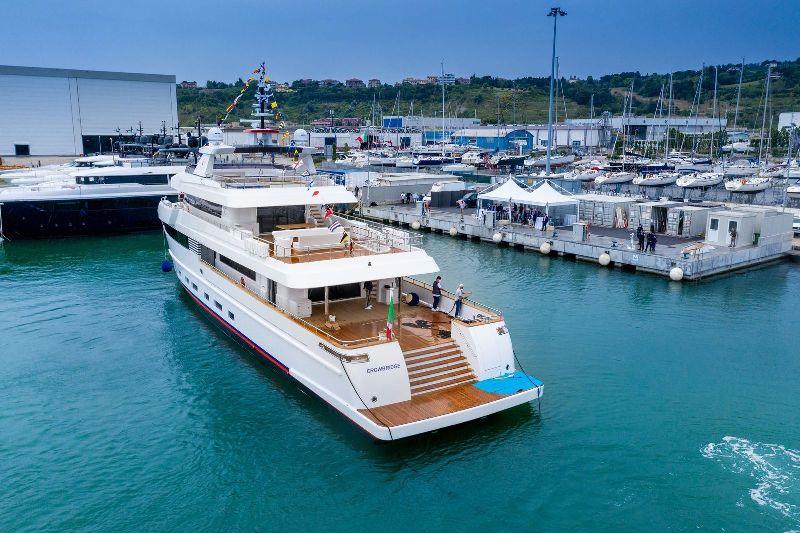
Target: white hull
x=706, y=179
x=656, y=180
x=615, y=177
x=740, y=171
x=793, y=191
x=584, y=175
x=296, y=352
x=748, y=184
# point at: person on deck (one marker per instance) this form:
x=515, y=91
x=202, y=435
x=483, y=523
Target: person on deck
x=733, y=238
x=460, y=295
x=368, y=291
x=437, y=292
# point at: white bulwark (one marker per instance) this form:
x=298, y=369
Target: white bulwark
x=49, y=111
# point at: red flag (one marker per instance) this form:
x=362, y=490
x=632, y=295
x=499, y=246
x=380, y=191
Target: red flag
x=314, y=193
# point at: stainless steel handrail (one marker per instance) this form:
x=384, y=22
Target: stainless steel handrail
x=473, y=303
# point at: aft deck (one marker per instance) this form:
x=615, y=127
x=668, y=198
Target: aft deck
x=415, y=327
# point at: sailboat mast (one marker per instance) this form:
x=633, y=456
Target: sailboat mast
x=738, y=95
x=697, y=111
x=764, y=117
x=441, y=80
x=669, y=116
x=713, y=111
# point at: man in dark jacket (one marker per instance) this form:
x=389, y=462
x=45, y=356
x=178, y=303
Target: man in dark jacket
x=640, y=237
x=437, y=292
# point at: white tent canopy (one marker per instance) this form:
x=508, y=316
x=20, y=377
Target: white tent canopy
x=546, y=195
x=508, y=192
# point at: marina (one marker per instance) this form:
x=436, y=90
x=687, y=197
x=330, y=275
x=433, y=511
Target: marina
x=607, y=247
x=239, y=294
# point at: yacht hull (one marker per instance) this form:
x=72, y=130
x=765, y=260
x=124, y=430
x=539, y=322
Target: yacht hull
x=298, y=352
x=28, y=219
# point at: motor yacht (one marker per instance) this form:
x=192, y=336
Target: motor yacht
x=283, y=275
x=96, y=201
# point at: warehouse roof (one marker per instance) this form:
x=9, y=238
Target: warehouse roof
x=9, y=70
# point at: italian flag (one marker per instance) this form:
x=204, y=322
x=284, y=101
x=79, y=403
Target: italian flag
x=390, y=317
x=363, y=138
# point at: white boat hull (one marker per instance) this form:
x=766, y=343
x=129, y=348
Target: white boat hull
x=707, y=179
x=656, y=180
x=298, y=352
x=615, y=177
x=748, y=185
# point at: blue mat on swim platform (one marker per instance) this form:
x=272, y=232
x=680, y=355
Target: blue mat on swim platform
x=509, y=383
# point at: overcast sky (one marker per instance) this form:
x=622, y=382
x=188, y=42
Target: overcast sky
x=224, y=40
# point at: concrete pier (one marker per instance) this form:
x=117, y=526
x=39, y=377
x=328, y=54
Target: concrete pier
x=615, y=242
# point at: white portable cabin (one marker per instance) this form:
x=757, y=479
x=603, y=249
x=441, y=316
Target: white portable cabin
x=771, y=225
x=604, y=210
x=687, y=220
x=720, y=223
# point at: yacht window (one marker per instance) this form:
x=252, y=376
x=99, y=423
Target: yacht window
x=218, y=305
x=179, y=237
x=206, y=295
x=194, y=286
x=714, y=224
x=237, y=267
x=204, y=205
x=335, y=292
x=230, y=315
x=207, y=254
x=269, y=217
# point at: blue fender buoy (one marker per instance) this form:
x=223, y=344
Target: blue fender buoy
x=166, y=265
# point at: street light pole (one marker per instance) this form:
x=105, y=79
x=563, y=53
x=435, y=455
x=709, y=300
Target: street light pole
x=555, y=12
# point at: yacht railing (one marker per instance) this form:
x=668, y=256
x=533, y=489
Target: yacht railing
x=342, y=343
x=483, y=314
x=366, y=239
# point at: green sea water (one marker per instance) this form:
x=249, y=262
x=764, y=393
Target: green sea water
x=667, y=406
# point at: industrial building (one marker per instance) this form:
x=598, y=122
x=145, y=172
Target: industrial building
x=654, y=129
x=531, y=136
x=49, y=111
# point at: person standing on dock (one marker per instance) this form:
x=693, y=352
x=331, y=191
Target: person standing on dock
x=640, y=237
x=437, y=292
x=733, y=237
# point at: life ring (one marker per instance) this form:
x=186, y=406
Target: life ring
x=744, y=181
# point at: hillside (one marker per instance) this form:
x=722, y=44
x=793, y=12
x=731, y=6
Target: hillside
x=521, y=100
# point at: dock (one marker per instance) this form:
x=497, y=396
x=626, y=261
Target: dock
x=607, y=247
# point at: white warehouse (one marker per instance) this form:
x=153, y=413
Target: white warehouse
x=49, y=111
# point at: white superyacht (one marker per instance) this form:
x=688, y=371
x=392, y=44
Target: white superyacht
x=277, y=271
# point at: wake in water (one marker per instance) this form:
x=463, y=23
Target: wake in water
x=775, y=469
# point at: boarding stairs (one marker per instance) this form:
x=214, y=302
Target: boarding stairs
x=317, y=215
x=437, y=367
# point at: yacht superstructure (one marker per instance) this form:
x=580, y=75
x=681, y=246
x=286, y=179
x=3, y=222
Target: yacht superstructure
x=282, y=274
x=88, y=202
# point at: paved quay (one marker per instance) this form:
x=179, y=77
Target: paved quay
x=612, y=241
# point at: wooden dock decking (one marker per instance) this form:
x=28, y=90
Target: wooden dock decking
x=430, y=405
